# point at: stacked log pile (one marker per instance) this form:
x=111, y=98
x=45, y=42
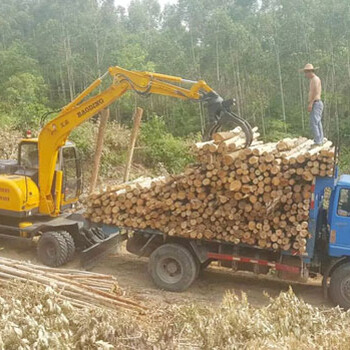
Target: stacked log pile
x=259, y=196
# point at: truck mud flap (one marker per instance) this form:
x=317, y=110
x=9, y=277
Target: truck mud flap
x=92, y=255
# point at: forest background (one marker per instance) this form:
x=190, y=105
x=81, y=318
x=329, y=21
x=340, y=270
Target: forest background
x=247, y=49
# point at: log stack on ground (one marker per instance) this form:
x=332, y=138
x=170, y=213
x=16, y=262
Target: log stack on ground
x=80, y=288
x=259, y=196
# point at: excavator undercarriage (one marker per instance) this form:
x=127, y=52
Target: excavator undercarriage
x=58, y=239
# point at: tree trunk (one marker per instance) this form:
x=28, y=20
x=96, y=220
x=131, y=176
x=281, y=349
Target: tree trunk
x=135, y=129
x=99, y=146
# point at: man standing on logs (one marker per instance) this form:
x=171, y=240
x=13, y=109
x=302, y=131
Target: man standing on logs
x=315, y=106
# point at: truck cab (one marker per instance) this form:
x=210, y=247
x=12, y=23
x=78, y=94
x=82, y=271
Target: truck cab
x=339, y=218
x=334, y=252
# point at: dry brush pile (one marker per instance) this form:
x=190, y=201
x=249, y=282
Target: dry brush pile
x=35, y=317
x=258, y=196
x=285, y=323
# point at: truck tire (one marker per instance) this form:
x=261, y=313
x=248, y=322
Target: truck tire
x=172, y=267
x=70, y=244
x=339, y=288
x=52, y=249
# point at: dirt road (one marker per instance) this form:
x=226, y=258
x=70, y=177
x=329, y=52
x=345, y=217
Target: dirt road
x=211, y=286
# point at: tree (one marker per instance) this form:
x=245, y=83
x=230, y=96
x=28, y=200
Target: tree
x=247, y=49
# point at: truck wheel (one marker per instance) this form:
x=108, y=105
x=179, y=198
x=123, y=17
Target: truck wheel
x=70, y=244
x=172, y=267
x=52, y=249
x=339, y=288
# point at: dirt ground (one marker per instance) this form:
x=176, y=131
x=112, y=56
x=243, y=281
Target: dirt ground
x=210, y=287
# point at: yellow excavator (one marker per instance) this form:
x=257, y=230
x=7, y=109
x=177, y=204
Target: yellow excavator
x=39, y=189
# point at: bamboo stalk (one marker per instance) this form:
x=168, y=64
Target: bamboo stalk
x=95, y=294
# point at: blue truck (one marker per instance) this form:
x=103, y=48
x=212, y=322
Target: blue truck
x=175, y=262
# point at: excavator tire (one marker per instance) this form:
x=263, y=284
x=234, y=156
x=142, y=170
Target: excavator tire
x=70, y=244
x=52, y=249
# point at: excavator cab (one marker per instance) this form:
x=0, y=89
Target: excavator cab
x=28, y=159
x=28, y=154
x=68, y=162
x=59, y=235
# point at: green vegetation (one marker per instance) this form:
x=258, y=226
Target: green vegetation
x=247, y=49
x=162, y=147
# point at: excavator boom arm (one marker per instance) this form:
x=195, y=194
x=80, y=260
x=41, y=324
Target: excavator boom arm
x=55, y=133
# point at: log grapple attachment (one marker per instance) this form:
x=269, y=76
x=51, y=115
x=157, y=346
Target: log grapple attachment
x=220, y=115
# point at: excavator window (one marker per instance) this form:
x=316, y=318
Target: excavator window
x=71, y=173
x=28, y=155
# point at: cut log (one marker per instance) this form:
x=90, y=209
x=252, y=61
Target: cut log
x=259, y=195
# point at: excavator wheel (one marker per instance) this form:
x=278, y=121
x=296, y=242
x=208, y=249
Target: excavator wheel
x=52, y=249
x=70, y=244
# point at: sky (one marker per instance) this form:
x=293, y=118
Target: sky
x=125, y=3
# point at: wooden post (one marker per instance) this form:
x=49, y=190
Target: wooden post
x=99, y=145
x=135, y=129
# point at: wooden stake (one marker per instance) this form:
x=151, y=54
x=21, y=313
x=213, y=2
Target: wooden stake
x=135, y=129
x=99, y=145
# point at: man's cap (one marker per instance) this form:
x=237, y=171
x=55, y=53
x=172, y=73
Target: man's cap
x=308, y=67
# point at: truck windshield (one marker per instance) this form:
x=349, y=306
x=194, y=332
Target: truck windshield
x=344, y=202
